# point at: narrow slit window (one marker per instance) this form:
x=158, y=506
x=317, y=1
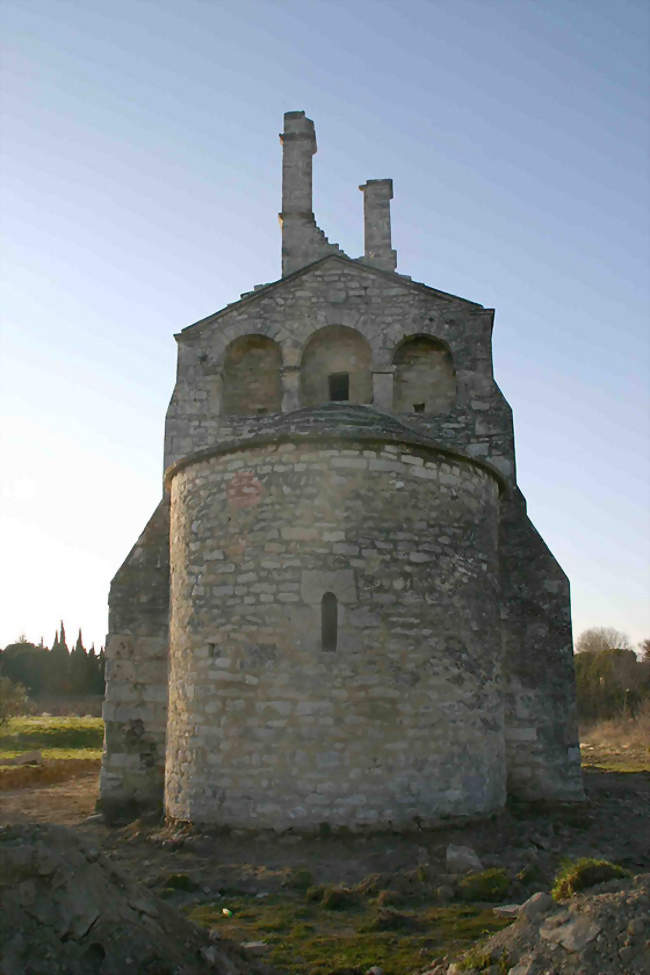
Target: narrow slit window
x=339, y=383
x=329, y=621
x=418, y=407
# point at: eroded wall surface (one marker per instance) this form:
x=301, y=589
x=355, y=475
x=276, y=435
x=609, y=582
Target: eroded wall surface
x=404, y=720
x=542, y=747
x=135, y=707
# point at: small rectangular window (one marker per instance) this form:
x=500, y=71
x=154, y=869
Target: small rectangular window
x=329, y=621
x=339, y=383
x=418, y=407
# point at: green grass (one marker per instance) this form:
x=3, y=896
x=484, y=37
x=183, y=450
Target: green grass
x=576, y=875
x=616, y=762
x=68, y=737
x=487, y=885
x=50, y=754
x=307, y=938
x=480, y=959
x=619, y=745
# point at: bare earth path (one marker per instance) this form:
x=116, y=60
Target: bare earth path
x=613, y=822
x=66, y=803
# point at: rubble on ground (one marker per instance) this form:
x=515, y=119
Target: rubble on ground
x=66, y=910
x=605, y=930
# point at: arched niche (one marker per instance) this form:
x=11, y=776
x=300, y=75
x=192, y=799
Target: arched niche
x=251, y=376
x=425, y=379
x=336, y=367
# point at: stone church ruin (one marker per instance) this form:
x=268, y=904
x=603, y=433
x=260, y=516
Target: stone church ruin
x=339, y=611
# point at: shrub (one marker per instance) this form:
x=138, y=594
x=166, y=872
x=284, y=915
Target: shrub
x=529, y=873
x=315, y=893
x=389, y=920
x=486, y=885
x=337, y=898
x=180, y=881
x=13, y=700
x=389, y=897
x=299, y=879
x=370, y=886
x=576, y=875
x=481, y=959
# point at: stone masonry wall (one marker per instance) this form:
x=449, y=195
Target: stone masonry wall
x=543, y=753
x=403, y=721
x=135, y=707
x=424, y=374
x=384, y=309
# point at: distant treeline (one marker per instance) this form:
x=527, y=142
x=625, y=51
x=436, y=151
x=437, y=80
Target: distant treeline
x=57, y=670
x=611, y=683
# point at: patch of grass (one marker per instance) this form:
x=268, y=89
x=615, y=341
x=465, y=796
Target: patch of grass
x=618, y=745
x=480, y=959
x=370, y=886
x=389, y=898
x=387, y=919
x=529, y=874
x=69, y=745
x=54, y=754
x=180, y=881
x=69, y=733
x=315, y=893
x=305, y=938
x=576, y=875
x=299, y=878
x=486, y=885
x=616, y=762
x=338, y=899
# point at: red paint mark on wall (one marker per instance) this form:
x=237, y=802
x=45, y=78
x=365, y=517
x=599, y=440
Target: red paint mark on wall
x=244, y=490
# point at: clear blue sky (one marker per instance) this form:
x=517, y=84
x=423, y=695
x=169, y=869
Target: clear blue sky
x=141, y=174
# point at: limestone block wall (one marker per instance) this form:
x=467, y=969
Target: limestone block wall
x=335, y=349
x=135, y=706
x=251, y=377
x=404, y=719
x=377, y=194
x=465, y=408
x=543, y=753
x=425, y=381
x=302, y=240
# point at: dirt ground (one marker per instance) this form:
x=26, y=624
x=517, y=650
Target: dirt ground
x=226, y=866
x=66, y=803
x=613, y=823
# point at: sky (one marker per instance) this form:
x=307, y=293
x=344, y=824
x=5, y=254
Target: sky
x=141, y=174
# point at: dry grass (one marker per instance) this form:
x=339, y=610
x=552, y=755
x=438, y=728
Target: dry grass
x=69, y=746
x=58, y=770
x=620, y=744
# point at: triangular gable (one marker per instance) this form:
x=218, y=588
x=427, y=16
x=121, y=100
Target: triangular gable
x=356, y=265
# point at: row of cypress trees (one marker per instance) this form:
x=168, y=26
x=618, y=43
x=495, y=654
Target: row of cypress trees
x=55, y=670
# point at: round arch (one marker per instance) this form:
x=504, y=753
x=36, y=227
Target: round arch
x=335, y=367
x=252, y=381
x=425, y=378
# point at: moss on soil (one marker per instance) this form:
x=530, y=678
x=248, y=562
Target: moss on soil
x=486, y=885
x=577, y=875
x=180, y=881
x=306, y=938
